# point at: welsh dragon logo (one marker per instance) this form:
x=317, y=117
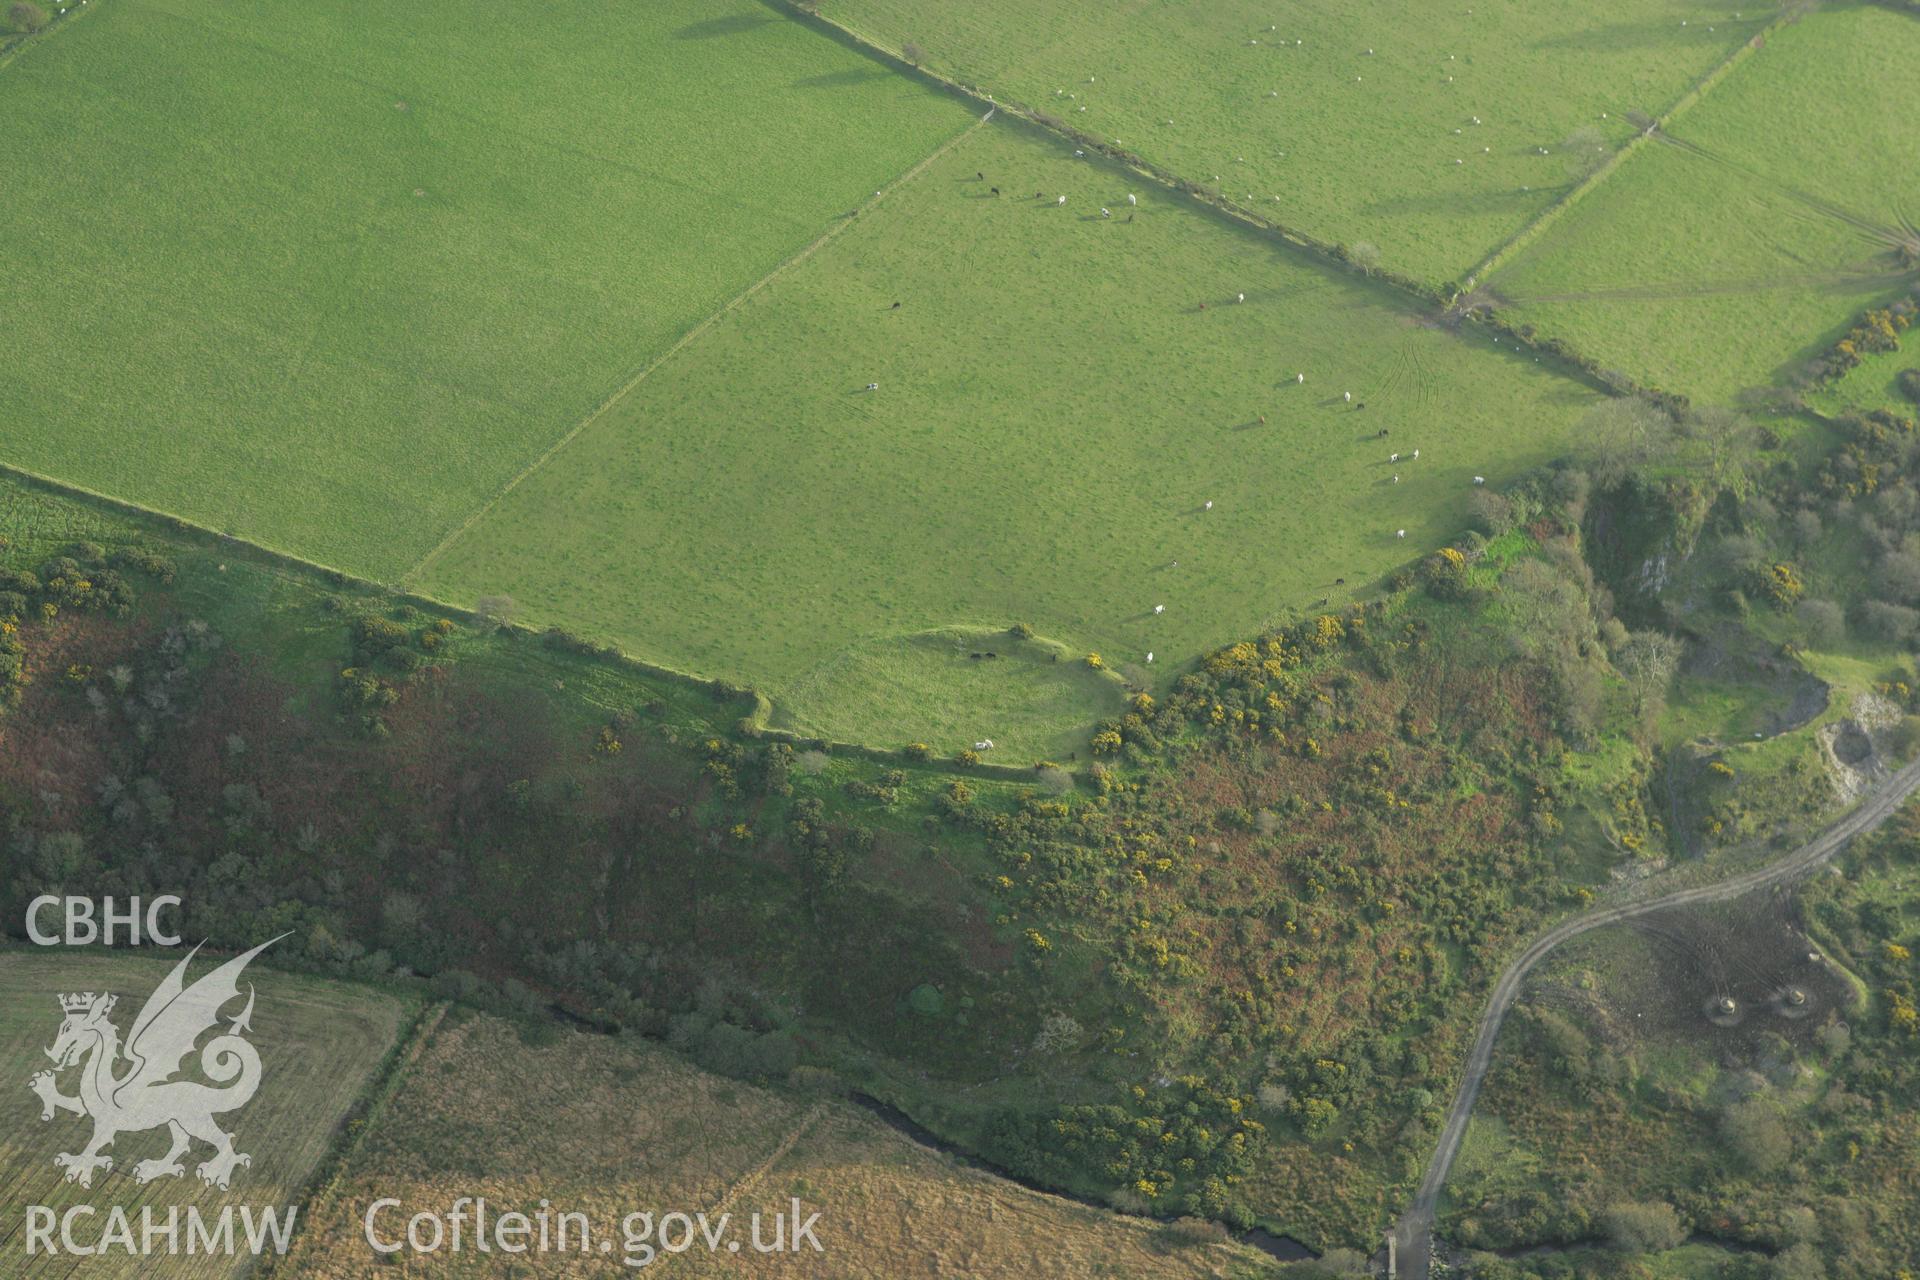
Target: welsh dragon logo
x=131, y=1088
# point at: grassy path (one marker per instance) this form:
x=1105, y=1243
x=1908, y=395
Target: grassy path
x=691, y=335
x=749, y=1180
x=1414, y=1232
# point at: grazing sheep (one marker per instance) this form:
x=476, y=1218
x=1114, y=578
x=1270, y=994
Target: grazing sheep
x=1132, y=199
x=873, y=386
x=1239, y=297
x=1149, y=655
x=1105, y=212
x=1479, y=479
x=1393, y=457
x=1209, y=505
x=1347, y=396
x=1299, y=377
x=1062, y=200
x=1416, y=455
x=1396, y=479
x=1159, y=608
x=985, y=744
x=1401, y=534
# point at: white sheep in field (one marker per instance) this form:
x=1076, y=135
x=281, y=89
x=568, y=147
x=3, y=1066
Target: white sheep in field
x=1299, y=377
x=1132, y=199
x=1239, y=297
x=1159, y=608
x=985, y=744
x=1209, y=505
x=1393, y=457
x=1061, y=200
x=1479, y=479
x=1401, y=534
x=1347, y=396
x=1416, y=455
x=1149, y=655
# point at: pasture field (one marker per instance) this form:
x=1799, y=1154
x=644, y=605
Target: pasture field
x=1346, y=145
x=609, y=1127
x=1875, y=384
x=1060, y=395
x=327, y=276
x=1748, y=240
x=319, y=1044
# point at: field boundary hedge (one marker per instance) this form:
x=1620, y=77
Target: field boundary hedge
x=323, y=1185
x=19, y=42
x=1568, y=362
x=1526, y=235
x=756, y=707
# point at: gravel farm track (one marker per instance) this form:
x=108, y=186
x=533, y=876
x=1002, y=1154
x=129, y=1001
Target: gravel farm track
x=1414, y=1232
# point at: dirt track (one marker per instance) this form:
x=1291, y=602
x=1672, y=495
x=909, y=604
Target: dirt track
x=1414, y=1232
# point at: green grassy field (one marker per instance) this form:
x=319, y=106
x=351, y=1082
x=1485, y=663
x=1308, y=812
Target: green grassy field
x=1875, y=384
x=1725, y=259
x=319, y=1044
x=1345, y=145
x=1059, y=396
x=327, y=276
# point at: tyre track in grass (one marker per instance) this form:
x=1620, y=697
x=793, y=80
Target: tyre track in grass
x=692, y=335
x=1413, y=1234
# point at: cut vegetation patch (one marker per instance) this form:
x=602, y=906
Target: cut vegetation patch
x=328, y=276
x=1034, y=695
x=1747, y=239
x=1431, y=133
x=1074, y=423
